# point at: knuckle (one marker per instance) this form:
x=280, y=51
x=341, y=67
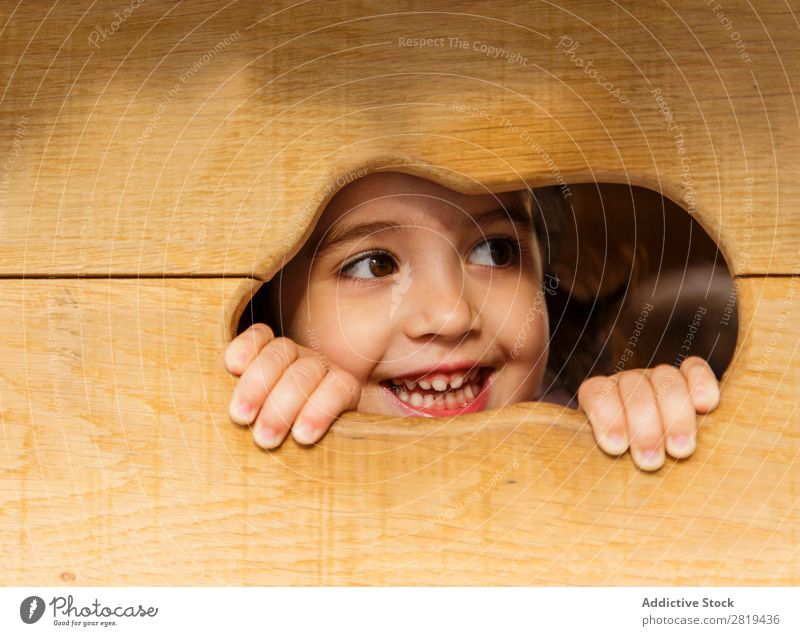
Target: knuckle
x=649, y=417
x=345, y=381
x=597, y=382
x=596, y=387
x=262, y=328
x=305, y=372
x=632, y=381
x=288, y=345
x=609, y=415
x=281, y=351
x=611, y=380
x=663, y=377
x=646, y=427
x=693, y=362
x=635, y=374
x=320, y=416
x=664, y=369
x=675, y=409
x=246, y=388
x=319, y=361
x=624, y=377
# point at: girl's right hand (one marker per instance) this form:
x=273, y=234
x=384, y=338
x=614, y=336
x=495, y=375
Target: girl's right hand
x=283, y=386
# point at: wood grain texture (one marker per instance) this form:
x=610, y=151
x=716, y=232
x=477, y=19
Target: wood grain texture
x=204, y=137
x=120, y=466
x=193, y=144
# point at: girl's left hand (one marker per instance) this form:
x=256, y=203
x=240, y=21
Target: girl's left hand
x=650, y=410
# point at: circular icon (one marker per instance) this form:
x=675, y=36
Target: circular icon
x=31, y=609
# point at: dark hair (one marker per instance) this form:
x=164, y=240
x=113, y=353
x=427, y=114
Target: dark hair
x=579, y=323
x=550, y=212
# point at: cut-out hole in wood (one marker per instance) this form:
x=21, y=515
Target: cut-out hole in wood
x=641, y=284
x=630, y=280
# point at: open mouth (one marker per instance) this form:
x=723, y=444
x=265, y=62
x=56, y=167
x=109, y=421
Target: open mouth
x=442, y=394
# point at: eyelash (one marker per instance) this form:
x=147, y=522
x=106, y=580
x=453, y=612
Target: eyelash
x=374, y=250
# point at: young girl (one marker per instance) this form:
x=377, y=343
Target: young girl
x=412, y=299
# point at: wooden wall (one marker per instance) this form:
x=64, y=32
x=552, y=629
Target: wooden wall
x=158, y=159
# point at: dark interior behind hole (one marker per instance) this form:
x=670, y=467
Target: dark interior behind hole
x=616, y=252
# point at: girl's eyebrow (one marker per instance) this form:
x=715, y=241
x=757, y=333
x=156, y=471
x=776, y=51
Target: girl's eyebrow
x=338, y=235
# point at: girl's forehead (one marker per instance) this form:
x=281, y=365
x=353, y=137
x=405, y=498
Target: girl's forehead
x=395, y=195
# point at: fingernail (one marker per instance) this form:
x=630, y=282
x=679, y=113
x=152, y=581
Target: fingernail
x=714, y=400
x=304, y=434
x=242, y=410
x=680, y=445
x=615, y=444
x=265, y=437
x=651, y=459
x=701, y=393
x=706, y=398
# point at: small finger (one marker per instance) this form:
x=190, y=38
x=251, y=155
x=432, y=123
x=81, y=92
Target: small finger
x=645, y=429
x=285, y=401
x=244, y=348
x=338, y=392
x=599, y=398
x=677, y=410
x=259, y=379
x=703, y=385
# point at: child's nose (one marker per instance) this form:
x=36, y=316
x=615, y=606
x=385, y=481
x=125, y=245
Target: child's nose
x=440, y=305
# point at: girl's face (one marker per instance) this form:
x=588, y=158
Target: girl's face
x=430, y=298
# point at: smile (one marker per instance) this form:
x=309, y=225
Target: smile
x=442, y=394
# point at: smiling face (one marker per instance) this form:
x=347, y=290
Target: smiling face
x=430, y=298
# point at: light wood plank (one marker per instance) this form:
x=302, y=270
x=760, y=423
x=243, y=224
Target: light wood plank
x=120, y=466
x=204, y=137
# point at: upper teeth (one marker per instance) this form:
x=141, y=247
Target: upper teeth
x=439, y=382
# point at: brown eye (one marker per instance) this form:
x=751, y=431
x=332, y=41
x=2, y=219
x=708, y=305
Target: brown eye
x=495, y=252
x=381, y=265
x=374, y=265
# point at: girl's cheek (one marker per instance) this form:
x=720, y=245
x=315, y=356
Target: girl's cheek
x=527, y=332
x=354, y=341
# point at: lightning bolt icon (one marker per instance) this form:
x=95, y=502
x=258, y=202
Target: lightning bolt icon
x=32, y=608
x=399, y=290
